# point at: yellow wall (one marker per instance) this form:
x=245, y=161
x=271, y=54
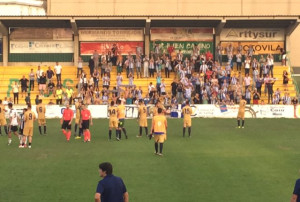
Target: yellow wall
x=183, y=7
x=295, y=44
x=173, y=7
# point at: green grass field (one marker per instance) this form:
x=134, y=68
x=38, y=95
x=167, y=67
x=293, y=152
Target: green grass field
x=219, y=163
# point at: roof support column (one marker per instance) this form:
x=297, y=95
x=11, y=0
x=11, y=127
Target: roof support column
x=147, y=37
x=217, y=34
x=288, y=31
x=4, y=31
x=76, y=41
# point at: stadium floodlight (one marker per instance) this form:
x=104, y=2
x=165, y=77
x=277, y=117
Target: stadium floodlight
x=36, y=3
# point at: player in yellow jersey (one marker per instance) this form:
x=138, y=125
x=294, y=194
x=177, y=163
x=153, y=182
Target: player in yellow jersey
x=121, y=117
x=41, y=112
x=2, y=118
x=29, y=118
x=113, y=119
x=77, y=119
x=142, y=118
x=159, y=129
x=187, y=121
x=158, y=105
x=241, y=113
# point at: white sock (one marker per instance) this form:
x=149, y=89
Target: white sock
x=26, y=140
x=20, y=138
x=9, y=140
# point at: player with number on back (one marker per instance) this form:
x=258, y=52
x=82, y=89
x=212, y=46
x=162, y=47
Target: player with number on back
x=121, y=117
x=77, y=118
x=29, y=118
x=41, y=112
x=86, y=120
x=159, y=128
x=66, y=122
x=241, y=113
x=13, y=122
x=113, y=119
x=187, y=121
x=142, y=118
x=2, y=118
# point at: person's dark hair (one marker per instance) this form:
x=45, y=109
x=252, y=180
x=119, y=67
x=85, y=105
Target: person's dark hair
x=0, y=101
x=112, y=103
x=40, y=101
x=107, y=167
x=118, y=101
x=187, y=102
x=159, y=110
x=10, y=105
x=29, y=106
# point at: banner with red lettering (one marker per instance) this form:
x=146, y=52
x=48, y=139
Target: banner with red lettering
x=88, y=48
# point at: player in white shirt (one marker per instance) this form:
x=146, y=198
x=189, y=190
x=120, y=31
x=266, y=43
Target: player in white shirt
x=13, y=123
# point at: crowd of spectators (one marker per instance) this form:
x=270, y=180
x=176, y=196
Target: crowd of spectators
x=197, y=77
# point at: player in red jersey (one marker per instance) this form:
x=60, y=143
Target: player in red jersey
x=66, y=122
x=86, y=120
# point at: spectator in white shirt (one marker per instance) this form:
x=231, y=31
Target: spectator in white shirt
x=58, y=71
x=39, y=73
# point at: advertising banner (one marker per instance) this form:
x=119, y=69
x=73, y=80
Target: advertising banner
x=56, y=111
x=259, y=47
x=111, y=35
x=88, y=48
x=252, y=34
x=181, y=34
x=185, y=47
x=41, y=47
x=203, y=111
x=64, y=34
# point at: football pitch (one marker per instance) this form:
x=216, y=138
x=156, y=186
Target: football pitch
x=218, y=163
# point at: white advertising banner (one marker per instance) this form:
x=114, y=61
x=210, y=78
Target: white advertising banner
x=111, y=35
x=41, y=47
x=56, y=111
x=201, y=111
x=181, y=34
x=251, y=111
x=252, y=34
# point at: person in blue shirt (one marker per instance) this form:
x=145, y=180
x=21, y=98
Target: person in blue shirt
x=111, y=188
x=296, y=193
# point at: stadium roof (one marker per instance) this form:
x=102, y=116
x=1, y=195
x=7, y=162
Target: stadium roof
x=155, y=21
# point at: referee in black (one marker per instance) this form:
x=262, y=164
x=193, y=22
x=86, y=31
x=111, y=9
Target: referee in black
x=110, y=188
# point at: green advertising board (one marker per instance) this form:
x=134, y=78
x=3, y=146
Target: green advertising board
x=186, y=47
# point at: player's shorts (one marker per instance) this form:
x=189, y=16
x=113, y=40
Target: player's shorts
x=143, y=122
x=85, y=124
x=66, y=125
x=13, y=129
x=241, y=115
x=113, y=123
x=28, y=131
x=3, y=122
x=187, y=122
x=42, y=87
x=160, y=138
x=42, y=121
x=121, y=123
